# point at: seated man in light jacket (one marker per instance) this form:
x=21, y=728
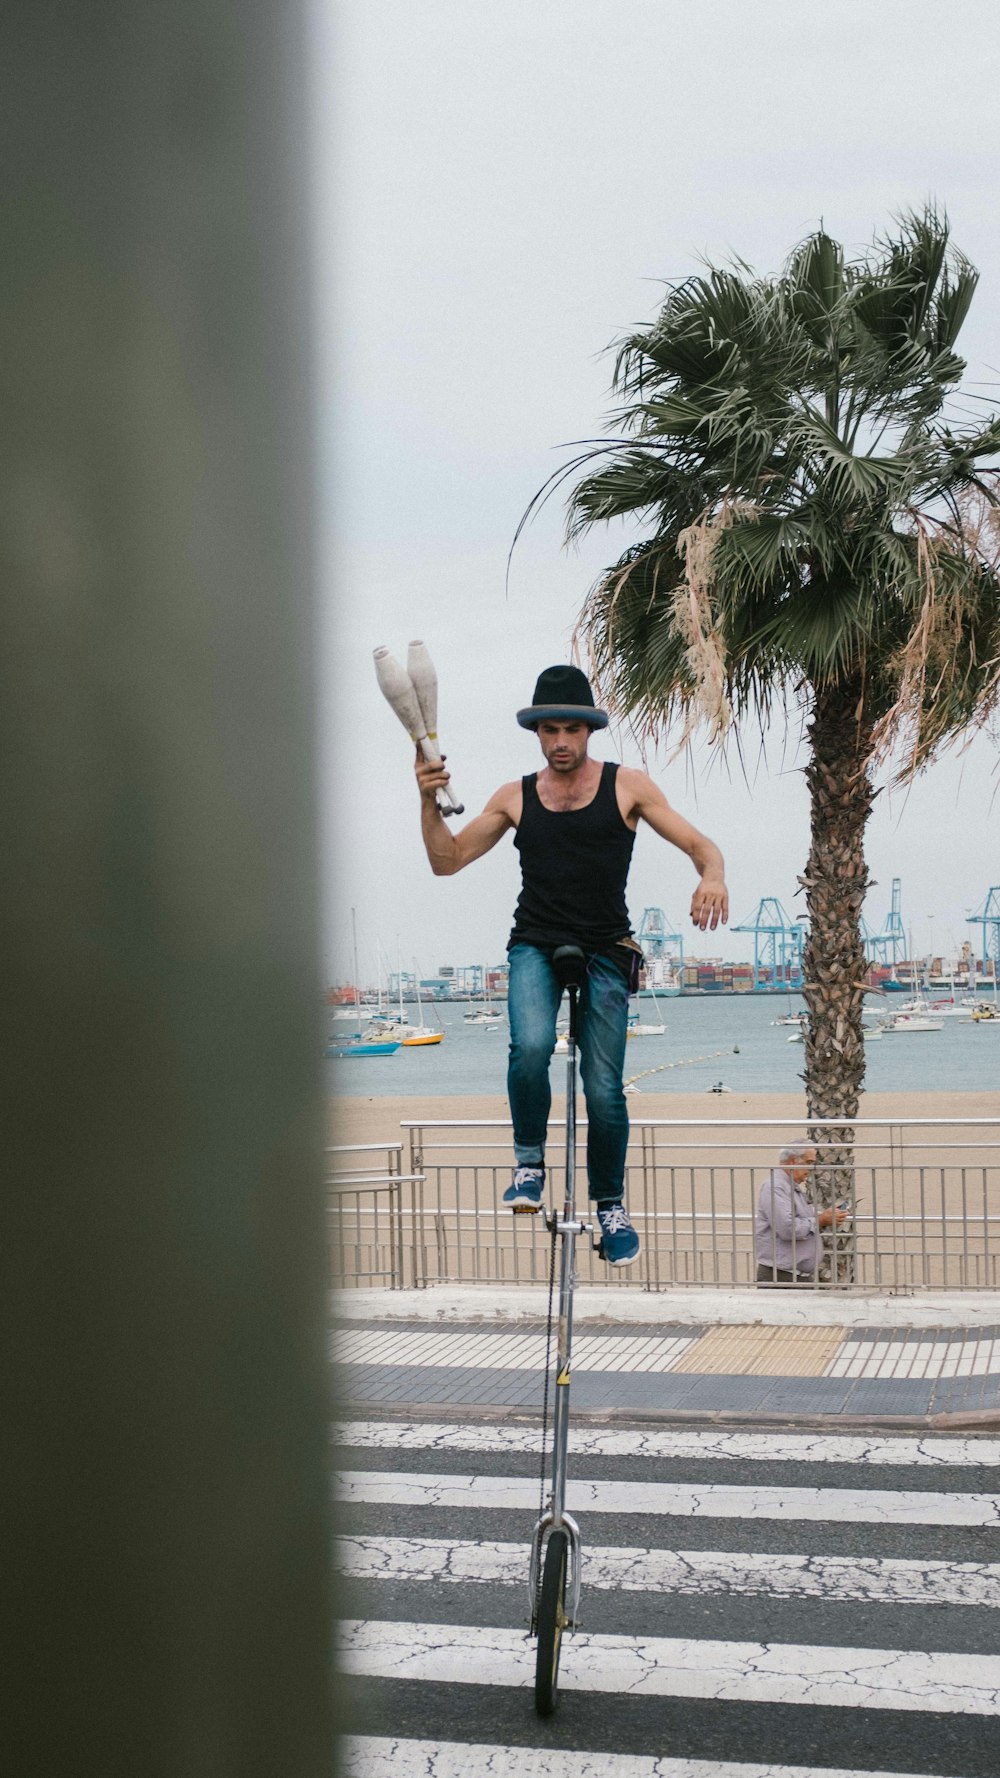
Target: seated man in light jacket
x=786, y=1227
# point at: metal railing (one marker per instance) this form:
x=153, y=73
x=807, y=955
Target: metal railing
x=924, y=1194
x=367, y=1215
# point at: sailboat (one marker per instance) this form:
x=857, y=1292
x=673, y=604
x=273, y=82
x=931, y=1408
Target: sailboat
x=486, y=1015
x=401, y=1028
x=642, y=1028
x=953, y=1008
x=911, y=1015
x=422, y=1037
x=797, y=1020
x=372, y=1041
x=989, y=1015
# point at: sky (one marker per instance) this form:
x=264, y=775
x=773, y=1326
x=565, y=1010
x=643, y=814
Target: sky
x=499, y=194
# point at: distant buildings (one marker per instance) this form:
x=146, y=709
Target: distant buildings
x=698, y=975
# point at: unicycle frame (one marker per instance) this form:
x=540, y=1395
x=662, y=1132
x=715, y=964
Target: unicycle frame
x=565, y=1225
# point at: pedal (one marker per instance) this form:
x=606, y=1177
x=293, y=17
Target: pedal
x=526, y=1209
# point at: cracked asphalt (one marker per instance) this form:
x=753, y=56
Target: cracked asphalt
x=829, y=1602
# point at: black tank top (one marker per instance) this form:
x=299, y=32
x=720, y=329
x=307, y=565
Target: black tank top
x=573, y=867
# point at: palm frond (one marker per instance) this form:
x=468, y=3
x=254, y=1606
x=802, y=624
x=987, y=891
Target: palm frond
x=810, y=517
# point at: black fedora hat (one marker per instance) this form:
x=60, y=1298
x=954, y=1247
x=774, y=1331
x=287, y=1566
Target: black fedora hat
x=562, y=694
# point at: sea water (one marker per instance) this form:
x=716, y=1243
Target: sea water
x=727, y=1038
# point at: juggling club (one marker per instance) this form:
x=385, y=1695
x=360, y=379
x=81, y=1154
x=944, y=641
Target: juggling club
x=399, y=690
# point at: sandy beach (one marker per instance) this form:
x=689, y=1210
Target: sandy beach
x=378, y=1119
x=926, y=1196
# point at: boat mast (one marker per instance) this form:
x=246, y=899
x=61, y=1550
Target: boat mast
x=357, y=990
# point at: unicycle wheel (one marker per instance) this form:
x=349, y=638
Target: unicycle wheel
x=551, y=1622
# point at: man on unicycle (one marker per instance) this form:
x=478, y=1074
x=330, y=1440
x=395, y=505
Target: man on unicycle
x=574, y=826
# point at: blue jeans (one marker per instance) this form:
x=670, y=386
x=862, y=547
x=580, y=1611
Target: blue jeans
x=533, y=998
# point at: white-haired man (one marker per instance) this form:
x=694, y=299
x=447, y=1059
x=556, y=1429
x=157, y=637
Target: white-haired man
x=787, y=1224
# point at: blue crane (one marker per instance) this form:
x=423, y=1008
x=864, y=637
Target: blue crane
x=988, y=918
x=777, y=944
x=888, y=945
x=657, y=942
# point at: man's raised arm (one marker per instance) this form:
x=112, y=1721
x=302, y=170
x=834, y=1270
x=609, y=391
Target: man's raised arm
x=450, y=852
x=710, y=901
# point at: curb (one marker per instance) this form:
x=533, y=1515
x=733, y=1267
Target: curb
x=701, y=1308
x=969, y=1422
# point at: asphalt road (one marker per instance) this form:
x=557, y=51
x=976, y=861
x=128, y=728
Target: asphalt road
x=820, y=1612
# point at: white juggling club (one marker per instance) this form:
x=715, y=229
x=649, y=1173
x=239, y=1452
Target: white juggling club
x=399, y=690
x=424, y=679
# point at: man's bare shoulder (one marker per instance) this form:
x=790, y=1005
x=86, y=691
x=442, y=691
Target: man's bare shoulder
x=636, y=788
x=507, y=801
x=633, y=776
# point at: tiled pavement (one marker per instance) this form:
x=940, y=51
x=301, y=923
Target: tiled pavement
x=869, y=1373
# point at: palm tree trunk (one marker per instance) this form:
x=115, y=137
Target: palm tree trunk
x=841, y=797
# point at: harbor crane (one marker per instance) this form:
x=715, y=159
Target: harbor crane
x=889, y=945
x=777, y=944
x=988, y=918
x=658, y=944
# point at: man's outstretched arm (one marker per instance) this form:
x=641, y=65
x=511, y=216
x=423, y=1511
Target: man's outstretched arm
x=449, y=852
x=710, y=901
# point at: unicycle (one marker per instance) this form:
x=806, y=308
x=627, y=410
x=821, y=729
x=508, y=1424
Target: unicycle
x=554, y=1570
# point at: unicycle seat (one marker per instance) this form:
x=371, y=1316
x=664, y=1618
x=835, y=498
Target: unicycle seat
x=569, y=966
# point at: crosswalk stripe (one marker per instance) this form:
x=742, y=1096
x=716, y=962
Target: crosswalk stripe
x=586, y=1441
x=660, y=1666
x=710, y=1500
x=912, y=1358
x=868, y=1580
x=510, y=1352
x=756, y=1350
x=385, y=1757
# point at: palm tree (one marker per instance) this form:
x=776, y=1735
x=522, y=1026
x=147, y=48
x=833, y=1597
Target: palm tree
x=818, y=536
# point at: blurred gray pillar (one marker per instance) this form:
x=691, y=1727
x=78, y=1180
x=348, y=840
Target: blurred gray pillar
x=161, y=1348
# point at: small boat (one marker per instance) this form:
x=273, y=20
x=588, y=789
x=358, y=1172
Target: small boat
x=638, y=1027
x=373, y=1040
x=403, y=1033
x=934, y=1009
x=368, y=1044
x=985, y=1015
x=409, y=1035
x=903, y=1022
x=485, y=1013
x=391, y=1027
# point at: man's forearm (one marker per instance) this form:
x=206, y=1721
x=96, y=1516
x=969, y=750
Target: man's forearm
x=707, y=859
x=439, y=841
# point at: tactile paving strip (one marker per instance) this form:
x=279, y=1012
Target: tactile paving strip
x=763, y=1351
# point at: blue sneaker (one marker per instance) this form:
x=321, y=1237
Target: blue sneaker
x=619, y=1241
x=526, y=1191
